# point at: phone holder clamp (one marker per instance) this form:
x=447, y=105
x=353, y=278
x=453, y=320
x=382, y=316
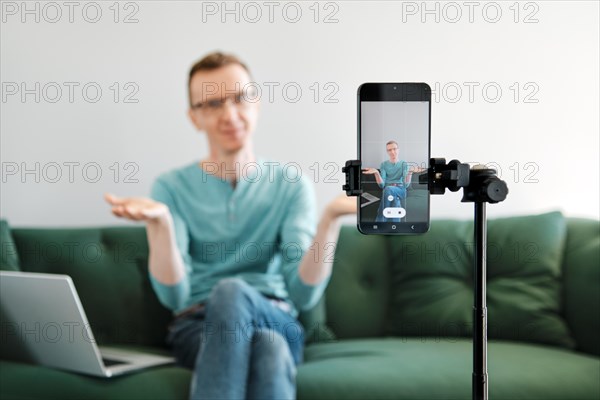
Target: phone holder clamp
x=352, y=171
x=480, y=184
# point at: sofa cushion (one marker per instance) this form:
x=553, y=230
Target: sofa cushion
x=9, y=258
x=315, y=326
x=26, y=381
x=416, y=368
x=432, y=280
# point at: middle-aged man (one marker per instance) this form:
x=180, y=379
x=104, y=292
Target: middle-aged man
x=393, y=177
x=235, y=248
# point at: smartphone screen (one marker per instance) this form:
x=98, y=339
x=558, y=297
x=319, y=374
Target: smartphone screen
x=394, y=122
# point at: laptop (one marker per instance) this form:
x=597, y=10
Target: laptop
x=43, y=322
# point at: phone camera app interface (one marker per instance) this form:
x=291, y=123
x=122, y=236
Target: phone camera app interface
x=394, y=152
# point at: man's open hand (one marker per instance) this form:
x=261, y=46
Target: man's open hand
x=137, y=208
x=415, y=169
x=370, y=171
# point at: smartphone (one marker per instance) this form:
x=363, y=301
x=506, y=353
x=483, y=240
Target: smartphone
x=394, y=135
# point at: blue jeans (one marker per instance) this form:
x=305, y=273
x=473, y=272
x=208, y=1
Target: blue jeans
x=398, y=193
x=239, y=346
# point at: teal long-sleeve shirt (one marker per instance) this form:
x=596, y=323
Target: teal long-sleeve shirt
x=258, y=232
x=394, y=173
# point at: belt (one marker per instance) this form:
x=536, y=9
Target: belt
x=190, y=310
x=395, y=184
x=281, y=304
x=277, y=302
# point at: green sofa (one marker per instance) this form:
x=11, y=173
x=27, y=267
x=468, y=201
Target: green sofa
x=395, y=322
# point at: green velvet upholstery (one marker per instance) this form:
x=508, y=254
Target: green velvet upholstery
x=581, y=266
x=394, y=368
x=433, y=280
x=357, y=293
x=24, y=381
x=394, y=322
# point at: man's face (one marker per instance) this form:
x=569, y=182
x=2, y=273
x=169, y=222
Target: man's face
x=392, y=150
x=228, y=124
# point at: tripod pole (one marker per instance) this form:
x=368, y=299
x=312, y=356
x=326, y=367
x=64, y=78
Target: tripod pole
x=481, y=186
x=480, y=378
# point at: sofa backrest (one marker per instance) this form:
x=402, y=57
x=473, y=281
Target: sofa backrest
x=357, y=297
x=539, y=266
x=543, y=279
x=109, y=268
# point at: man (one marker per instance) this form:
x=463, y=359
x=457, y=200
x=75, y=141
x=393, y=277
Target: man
x=394, y=179
x=229, y=239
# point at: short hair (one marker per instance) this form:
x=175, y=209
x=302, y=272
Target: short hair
x=210, y=62
x=391, y=142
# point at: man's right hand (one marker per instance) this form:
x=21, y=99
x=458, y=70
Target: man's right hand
x=137, y=208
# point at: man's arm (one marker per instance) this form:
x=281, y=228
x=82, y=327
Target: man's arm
x=314, y=270
x=382, y=175
x=165, y=263
x=169, y=260
x=378, y=177
x=166, y=267
x=167, y=239
x=407, y=174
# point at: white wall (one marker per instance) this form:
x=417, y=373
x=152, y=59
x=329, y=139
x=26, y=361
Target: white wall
x=552, y=143
x=403, y=122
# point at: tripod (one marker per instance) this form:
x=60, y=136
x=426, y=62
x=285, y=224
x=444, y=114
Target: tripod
x=481, y=186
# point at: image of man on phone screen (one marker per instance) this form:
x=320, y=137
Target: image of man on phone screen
x=393, y=177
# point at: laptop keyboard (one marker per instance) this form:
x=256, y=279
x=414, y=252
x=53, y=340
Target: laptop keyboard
x=110, y=362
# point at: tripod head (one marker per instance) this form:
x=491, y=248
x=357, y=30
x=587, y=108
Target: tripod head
x=480, y=184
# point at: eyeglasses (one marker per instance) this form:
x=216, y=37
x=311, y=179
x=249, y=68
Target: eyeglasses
x=240, y=100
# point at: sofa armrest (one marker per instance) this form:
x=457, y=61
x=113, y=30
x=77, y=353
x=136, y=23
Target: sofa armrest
x=581, y=269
